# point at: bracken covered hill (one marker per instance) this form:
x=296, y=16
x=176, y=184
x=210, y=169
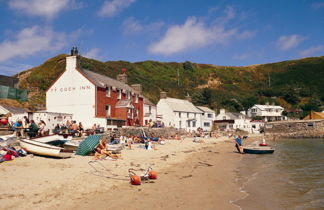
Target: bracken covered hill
x=294, y=84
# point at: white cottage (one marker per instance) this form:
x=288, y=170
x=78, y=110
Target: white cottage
x=267, y=112
x=237, y=121
x=14, y=113
x=178, y=113
x=207, y=118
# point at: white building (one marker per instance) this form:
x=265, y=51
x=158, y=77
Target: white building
x=149, y=112
x=178, y=113
x=51, y=118
x=231, y=121
x=267, y=112
x=207, y=118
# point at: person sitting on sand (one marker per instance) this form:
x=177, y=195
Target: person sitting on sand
x=238, y=144
x=101, y=151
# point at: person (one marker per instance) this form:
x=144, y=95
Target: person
x=81, y=129
x=41, y=126
x=101, y=151
x=33, y=129
x=74, y=128
x=238, y=144
x=57, y=129
x=114, y=140
x=17, y=127
x=94, y=128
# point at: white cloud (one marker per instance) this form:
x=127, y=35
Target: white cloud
x=94, y=53
x=33, y=40
x=112, y=8
x=318, y=5
x=312, y=51
x=195, y=34
x=41, y=8
x=285, y=43
x=133, y=26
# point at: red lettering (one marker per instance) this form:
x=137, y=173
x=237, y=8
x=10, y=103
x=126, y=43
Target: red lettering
x=61, y=89
x=73, y=88
x=65, y=89
x=88, y=87
x=69, y=88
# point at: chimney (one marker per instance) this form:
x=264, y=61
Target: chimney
x=273, y=103
x=222, y=111
x=73, y=60
x=122, y=78
x=267, y=103
x=137, y=88
x=188, y=97
x=163, y=94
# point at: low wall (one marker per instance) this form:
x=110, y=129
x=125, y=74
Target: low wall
x=151, y=132
x=296, y=129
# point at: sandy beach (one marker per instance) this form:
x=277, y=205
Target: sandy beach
x=190, y=176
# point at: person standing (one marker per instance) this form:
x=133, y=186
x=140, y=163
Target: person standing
x=238, y=144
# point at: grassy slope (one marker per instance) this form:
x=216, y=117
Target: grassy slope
x=231, y=87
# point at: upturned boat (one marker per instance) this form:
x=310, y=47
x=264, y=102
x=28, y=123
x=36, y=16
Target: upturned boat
x=258, y=150
x=39, y=148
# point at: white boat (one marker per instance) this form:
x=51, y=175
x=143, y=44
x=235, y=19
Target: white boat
x=39, y=148
x=46, y=139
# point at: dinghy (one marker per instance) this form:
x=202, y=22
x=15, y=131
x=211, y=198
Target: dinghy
x=44, y=149
x=258, y=150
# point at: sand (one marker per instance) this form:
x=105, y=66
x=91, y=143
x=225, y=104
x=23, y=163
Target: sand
x=191, y=176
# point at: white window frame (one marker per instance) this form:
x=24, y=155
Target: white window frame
x=108, y=91
x=136, y=98
x=108, y=111
x=119, y=96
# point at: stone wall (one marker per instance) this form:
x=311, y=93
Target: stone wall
x=150, y=132
x=296, y=129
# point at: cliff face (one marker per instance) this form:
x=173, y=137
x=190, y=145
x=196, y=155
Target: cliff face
x=293, y=84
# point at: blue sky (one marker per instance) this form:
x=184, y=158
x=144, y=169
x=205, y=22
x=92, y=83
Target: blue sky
x=220, y=32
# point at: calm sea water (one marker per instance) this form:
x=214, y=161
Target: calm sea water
x=291, y=178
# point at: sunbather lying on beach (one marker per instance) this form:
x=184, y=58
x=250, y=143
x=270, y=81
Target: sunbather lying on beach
x=101, y=151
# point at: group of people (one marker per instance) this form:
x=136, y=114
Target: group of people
x=155, y=124
x=26, y=127
x=73, y=128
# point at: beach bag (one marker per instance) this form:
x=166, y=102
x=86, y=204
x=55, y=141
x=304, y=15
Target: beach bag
x=22, y=152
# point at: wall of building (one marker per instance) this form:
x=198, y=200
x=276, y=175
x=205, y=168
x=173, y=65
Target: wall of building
x=149, y=114
x=74, y=94
x=167, y=114
x=51, y=119
x=9, y=81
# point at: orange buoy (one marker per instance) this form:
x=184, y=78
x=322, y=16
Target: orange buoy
x=135, y=180
x=152, y=175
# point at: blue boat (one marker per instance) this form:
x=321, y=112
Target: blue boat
x=258, y=150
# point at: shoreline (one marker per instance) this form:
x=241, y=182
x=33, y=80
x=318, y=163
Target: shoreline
x=45, y=183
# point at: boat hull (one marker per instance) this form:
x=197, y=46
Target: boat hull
x=258, y=150
x=40, y=148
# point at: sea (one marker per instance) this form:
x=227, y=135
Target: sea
x=290, y=178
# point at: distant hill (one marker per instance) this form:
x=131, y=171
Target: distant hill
x=294, y=84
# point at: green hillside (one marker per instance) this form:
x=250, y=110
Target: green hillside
x=294, y=84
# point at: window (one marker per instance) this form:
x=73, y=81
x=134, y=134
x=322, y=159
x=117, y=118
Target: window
x=150, y=109
x=119, y=94
x=188, y=122
x=194, y=123
x=310, y=124
x=210, y=115
x=136, y=98
x=108, y=91
x=254, y=110
x=179, y=124
x=179, y=114
x=128, y=95
x=188, y=116
x=195, y=115
x=107, y=111
x=206, y=124
x=224, y=118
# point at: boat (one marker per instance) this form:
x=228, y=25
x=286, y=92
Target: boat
x=40, y=148
x=258, y=150
x=51, y=138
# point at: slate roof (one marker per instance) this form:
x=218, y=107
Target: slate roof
x=124, y=104
x=181, y=105
x=14, y=110
x=264, y=107
x=103, y=81
x=148, y=102
x=205, y=109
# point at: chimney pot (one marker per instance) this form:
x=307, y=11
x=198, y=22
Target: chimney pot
x=188, y=97
x=122, y=78
x=163, y=94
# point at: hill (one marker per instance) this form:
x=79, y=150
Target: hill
x=294, y=84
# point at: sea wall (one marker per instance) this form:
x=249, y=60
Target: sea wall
x=296, y=129
x=151, y=132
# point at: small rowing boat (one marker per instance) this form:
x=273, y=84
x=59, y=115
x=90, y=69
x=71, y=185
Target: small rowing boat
x=258, y=150
x=44, y=149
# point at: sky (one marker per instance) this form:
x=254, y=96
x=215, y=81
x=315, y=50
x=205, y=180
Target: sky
x=219, y=32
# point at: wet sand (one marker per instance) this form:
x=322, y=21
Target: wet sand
x=191, y=176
